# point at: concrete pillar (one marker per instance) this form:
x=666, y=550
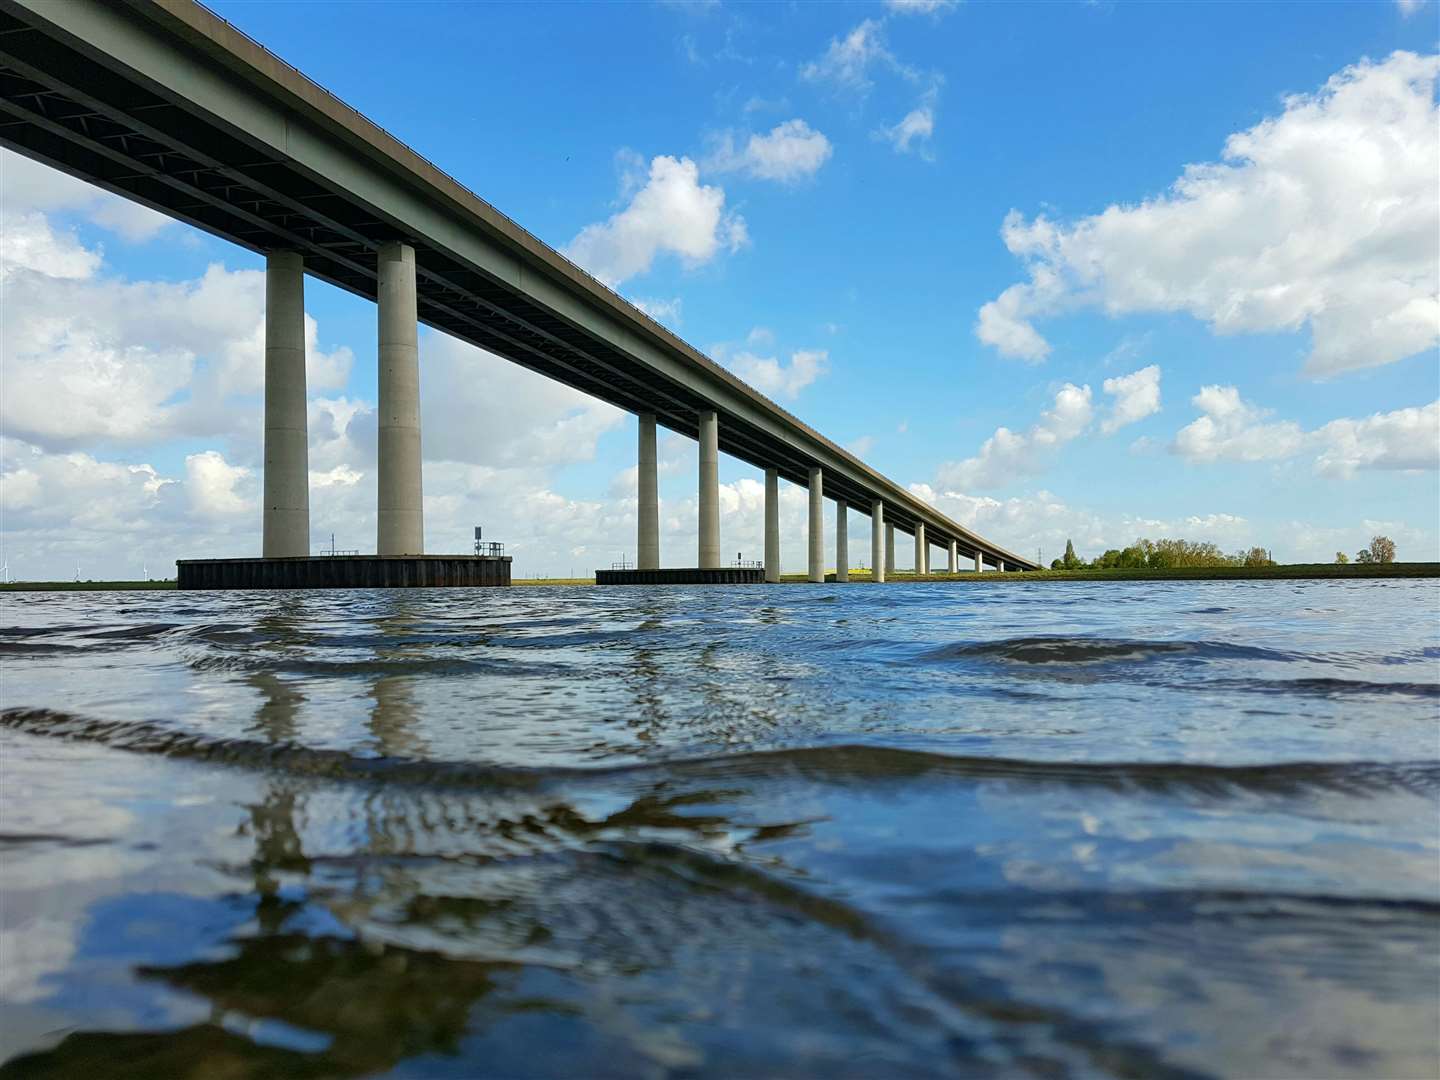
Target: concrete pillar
x=889, y=548
x=979, y=563
x=878, y=532
x=772, y=525
x=647, y=512
x=842, y=540
x=954, y=566
x=285, y=516
x=400, y=521
x=709, y=490
x=817, y=526
x=920, y=547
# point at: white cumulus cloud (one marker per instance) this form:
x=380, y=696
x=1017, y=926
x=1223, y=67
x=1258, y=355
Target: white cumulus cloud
x=1136, y=395
x=27, y=185
x=1232, y=429
x=28, y=242
x=217, y=488
x=1324, y=217
x=1402, y=439
x=770, y=376
x=672, y=212
x=1007, y=454
x=913, y=131
x=848, y=59
x=790, y=152
x=482, y=409
x=138, y=361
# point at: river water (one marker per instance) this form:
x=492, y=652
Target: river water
x=1045, y=829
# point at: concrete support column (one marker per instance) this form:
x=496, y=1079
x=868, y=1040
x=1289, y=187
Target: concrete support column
x=647, y=513
x=772, y=525
x=842, y=540
x=400, y=518
x=889, y=548
x=979, y=563
x=709, y=490
x=954, y=566
x=921, y=550
x=878, y=533
x=817, y=526
x=285, y=516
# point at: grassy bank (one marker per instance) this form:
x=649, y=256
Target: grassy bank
x=83, y=586
x=1286, y=572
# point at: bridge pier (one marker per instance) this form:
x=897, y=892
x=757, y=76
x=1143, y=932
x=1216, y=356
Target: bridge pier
x=979, y=563
x=842, y=540
x=772, y=525
x=285, y=515
x=709, y=490
x=889, y=548
x=816, y=560
x=954, y=565
x=647, y=510
x=400, y=528
x=922, y=550
x=879, y=532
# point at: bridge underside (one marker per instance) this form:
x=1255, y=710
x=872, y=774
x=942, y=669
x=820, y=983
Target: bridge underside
x=167, y=136
x=60, y=108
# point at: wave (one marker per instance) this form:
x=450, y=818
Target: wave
x=1325, y=687
x=845, y=763
x=1096, y=650
x=409, y=666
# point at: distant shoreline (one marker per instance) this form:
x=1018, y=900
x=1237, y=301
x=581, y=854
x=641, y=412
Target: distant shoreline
x=1291, y=572
x=1286, y=572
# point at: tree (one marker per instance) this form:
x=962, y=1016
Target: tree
x=1382, y=549
x=1341, y=558
x=1056, y=564
x=1258, y=556
x=1070, y=560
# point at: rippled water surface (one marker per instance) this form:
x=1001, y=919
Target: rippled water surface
x=1048, y=829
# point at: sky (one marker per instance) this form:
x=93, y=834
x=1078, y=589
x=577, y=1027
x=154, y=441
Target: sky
x=1087, y=271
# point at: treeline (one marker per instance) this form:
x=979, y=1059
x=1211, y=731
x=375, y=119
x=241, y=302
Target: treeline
x=1170, y=554
x=1162, y=555
x=1381, y=550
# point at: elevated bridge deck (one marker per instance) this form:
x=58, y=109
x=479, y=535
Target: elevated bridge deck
x=163, y=102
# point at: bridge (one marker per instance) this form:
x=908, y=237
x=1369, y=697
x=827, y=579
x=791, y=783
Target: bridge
x=165, y=103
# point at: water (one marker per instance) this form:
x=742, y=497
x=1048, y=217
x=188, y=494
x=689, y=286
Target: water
x=1130, y=829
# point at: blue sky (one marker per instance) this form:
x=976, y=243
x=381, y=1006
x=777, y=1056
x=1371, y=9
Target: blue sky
x=818, y=195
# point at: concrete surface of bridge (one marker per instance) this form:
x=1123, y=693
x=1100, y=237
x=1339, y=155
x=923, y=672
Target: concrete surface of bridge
x=165, y=103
